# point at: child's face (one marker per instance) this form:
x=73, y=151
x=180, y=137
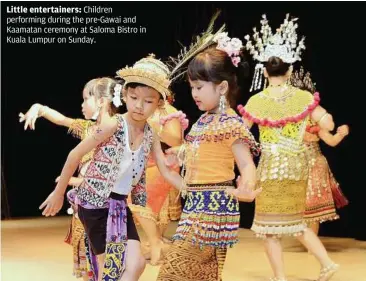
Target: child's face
x=89, y=105
x=205, y=94
x=142, y=102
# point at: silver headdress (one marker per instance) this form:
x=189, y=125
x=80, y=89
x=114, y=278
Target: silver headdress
x=282, y=44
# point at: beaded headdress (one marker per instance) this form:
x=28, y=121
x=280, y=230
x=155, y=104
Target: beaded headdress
x=282, y=44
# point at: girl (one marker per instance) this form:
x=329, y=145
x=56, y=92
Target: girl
x=210, y=218
x=282, y=111
x=157, y=188
x=79, y=128
x=122, y=144
x=323, y=193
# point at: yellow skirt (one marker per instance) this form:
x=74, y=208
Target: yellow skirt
x=279, y=209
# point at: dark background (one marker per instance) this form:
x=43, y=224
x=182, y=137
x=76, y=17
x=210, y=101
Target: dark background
x=54, y=75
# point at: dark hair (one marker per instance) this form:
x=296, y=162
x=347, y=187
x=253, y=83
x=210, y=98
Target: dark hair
x=213, y=65
x=276, y=67
x=134, y=85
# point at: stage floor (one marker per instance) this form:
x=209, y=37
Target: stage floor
x=33, y=250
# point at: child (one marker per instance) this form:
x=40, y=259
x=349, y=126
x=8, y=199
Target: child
x=79, y=128
x=122, y=145
x=210, y=218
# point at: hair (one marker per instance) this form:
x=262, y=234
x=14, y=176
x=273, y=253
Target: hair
x=276, y=67
x=104, y=88
x=134, y=85
x=89, y=86
x=213, y=65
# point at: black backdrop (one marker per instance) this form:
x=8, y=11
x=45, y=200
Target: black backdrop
x=55, y=74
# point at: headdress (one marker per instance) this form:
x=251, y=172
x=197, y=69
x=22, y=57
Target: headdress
x=282, y=44
x=231, y=46
x=302, y=80
x=207, y=39
x=148, y=71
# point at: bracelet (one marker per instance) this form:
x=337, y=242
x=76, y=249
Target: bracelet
x=325, y=114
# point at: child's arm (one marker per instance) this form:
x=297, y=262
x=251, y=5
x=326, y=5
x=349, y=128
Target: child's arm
x=38, y=110
x=54, y=201
x=172, y=133
x=74, y=181
x=247, y=169
x=323, y=118
x=334, y=140
x=170, y=175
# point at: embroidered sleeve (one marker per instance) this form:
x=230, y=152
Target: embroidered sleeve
x=237, y=130
x=79, y=128
x=138, y=193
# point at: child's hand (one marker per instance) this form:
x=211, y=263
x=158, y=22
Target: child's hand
x=343, y=130
x=244, y=192
x=184, y=122
x=30, y=117
x=53, y=204
x=172, y=161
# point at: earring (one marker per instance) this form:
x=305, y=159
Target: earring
x=222, y=104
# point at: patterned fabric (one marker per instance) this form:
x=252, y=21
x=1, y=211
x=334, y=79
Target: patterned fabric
x=187, y=262
x=80, y=128
x=210, y=216
x=116, y=241
x=209, y=224
x=210, y=219
x=286, y=139
x=76, y=239
x=209, y=157
x=279, y=208
x=103, y=170
x=175, y=205
x=283, y=168
x=319, y=198
x=93, y=193
x=76, y=236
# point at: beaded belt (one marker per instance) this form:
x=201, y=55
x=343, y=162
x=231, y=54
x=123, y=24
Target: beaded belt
x=210, y=186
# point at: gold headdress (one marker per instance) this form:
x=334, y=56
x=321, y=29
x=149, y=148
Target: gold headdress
x=302, y=80
x=148, y=71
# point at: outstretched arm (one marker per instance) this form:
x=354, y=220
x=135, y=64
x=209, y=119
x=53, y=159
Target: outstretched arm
x=38, y=110
x=74, y=181
x=54, y=201
x=334, y=140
